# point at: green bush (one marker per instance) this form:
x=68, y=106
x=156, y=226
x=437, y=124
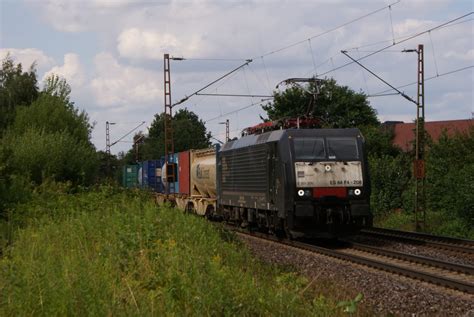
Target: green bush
x=40, y=155
x=450, y=176
x=389, y=178
x=114, y=253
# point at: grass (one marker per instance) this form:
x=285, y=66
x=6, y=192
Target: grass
x=438, y=223
x=109, y=252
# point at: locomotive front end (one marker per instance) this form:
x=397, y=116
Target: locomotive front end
x=331, y=184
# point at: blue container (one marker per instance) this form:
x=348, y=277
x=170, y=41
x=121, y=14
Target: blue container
x=151, y=175
x=160, y=188
x=174, y=188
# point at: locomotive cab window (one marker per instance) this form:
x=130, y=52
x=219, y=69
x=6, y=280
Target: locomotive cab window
x=309, y=148
x=342, y=148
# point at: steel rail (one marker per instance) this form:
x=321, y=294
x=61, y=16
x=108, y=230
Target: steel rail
x=447, y=243
x=388, y=267
x=466, y=269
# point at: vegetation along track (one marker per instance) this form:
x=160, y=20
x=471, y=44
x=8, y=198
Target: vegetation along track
x=440, y=242
x=450, y=275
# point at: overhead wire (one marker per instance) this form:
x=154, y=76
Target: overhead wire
x=234, y=95
x=211, y=83
x=397, y=43
x=385, y=92
x=363, y=75
x=329, y=31
x=434, y=55
x=391, y=23
x=405, y=36
x=381, y=79
x=237, y=110
x=312, y=58
x=128, y=133
x=266, y=71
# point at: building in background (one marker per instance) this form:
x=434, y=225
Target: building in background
x=404, y=136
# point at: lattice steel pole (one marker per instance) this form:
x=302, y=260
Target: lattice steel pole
x=227, y=136
x=107, y=138
x=107, y=146
x=169, y=142
x=419, y=164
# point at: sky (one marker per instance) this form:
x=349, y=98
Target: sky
x=111, y=54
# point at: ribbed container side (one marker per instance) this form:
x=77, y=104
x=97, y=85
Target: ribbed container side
x=130, y=176
x=144, y=170
x=174, y=188
x=160, y=188
x=184, y=173
x=176, y=184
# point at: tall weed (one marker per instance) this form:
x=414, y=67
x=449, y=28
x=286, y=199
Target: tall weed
x=115, y=253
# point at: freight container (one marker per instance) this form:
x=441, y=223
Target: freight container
x=203, y=173
x=173, y=189
x=140, y=175
x=183, y=172
x=158, y=174
x=130, y=176
x=149, y=174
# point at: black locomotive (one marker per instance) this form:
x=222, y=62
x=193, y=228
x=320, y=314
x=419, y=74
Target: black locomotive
x=298, y=182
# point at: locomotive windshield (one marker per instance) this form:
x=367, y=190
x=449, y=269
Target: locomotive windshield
x=342, y=148
x=309, y=148
x=329, y=148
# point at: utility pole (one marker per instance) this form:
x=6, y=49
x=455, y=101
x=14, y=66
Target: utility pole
x=107, y=144
x=227, y=134
x=419, y=162
x=136, y=144
x=169, y=142
x=107, y=138
x=419, y=165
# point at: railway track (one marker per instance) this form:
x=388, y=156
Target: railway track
x=445, y=274
x=440, y=242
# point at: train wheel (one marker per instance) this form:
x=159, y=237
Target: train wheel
x=282, y=231
x=209, y=212
x=189, y=208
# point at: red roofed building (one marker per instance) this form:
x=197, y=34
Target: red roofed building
x=404, y=134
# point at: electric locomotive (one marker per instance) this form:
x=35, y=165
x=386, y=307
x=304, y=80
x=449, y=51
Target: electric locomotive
x=296, y=182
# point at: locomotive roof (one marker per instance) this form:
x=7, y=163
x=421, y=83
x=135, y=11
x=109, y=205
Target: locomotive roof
x=276, y=135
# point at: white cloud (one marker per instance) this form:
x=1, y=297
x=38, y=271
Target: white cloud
x=78, y=16
x=118, y=85
x=71, y=70
x=410, y=26
x=137, y=43
x=465, y=56
x=139, y=32
x=27, y=57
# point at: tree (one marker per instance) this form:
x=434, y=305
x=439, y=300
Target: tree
x=51, y=139
x=336, y=106
x=189, y=133
x=51, y=114
x=17, y=88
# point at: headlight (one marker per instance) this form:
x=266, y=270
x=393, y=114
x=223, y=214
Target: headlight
x=357, y=192
x=301, y=193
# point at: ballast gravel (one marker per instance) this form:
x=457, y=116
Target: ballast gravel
x=415, y=249
x=385, y=294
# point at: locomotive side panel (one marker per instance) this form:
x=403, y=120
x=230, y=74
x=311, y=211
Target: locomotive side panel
x=244, y=177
